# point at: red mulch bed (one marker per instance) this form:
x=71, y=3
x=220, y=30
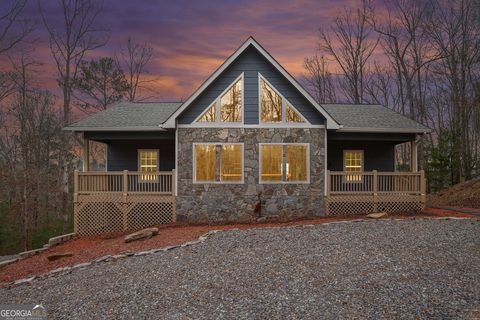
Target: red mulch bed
x=449, y=213
x=90, y=248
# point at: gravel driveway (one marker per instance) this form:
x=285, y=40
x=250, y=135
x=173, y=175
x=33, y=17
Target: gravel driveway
x=375, y=269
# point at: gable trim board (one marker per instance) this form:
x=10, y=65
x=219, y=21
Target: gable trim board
x=171, y=121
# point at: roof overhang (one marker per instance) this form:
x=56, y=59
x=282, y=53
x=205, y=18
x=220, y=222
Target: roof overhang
x=171, y=122
x=384, y=130
x=82, y=129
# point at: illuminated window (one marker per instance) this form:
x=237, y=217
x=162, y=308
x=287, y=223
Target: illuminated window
x=228, y=107
x=296, y=162
x=271, y=162
x=275, y=159
x=148, y=164
x=274, y=108
x=231, y=104
x=209, y=115
x=230, y=157
x=353, y=163
x=271, y=103
x=231, y=162
x=292, y=115
x=205, y=162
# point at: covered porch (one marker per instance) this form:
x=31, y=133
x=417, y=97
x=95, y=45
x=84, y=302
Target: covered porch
x=362, y=177
x=137, y=188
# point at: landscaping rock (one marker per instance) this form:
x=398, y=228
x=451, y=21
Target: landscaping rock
x=377, y=215
x=5, y=262
x=59, y=255
x=60, y=239
x=141, y=235
x=30, y=253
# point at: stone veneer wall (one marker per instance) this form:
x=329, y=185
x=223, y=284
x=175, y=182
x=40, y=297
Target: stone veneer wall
x=238, y=202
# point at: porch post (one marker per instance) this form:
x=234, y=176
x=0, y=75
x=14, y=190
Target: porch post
x=375, y=190
x=423, y=187
x=86, y=154
x=413, y=156
x=174, y=185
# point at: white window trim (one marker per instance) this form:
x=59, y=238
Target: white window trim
x=284, y=122
x=194, y=165
x=139, y=168
x=362, y=162
x=218, y=106
x=260, y=181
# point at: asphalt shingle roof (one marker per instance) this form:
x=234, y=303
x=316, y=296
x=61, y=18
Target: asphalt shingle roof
x=371, y=116
x=150, y=115
x=131, y=115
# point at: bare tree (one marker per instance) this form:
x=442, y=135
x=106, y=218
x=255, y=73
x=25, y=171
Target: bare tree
x=319, y=80
x=351, y=42
x=13, y=28
x=135, y=58
x=28, y=148
x=408, y=49
x=454, y=30
x=78, y=35
x=100, y=83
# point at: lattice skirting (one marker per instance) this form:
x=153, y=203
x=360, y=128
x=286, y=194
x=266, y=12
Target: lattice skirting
x=364, y=204
x=110, y=212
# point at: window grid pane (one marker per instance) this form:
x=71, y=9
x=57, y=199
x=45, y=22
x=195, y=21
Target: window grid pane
x=209, y=115
x=292, y=115
x=296, y=162
x=148, y=163
x=231, y=162
x=271, y=162
x=231, y=104
x=271, y=103
x=353, y=163
x=205, y=162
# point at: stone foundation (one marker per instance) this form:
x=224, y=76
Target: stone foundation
x=251, y=200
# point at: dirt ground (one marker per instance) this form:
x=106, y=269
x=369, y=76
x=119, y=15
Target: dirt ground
x=86, y=249
x=465, y=195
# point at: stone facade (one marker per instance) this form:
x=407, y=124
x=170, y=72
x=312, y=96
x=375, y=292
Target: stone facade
x=250, y=200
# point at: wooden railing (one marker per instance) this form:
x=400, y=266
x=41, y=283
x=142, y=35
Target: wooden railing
x=125, y=182
x=119, y=201
x=367, y=192
x=339, y=182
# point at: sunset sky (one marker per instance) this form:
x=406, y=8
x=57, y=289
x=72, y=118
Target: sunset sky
x=192, y=38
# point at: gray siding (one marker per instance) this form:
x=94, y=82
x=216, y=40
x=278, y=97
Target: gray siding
x=107, y=136
x=369, y=136
x=378, y=155
x=251, y=62
x=123, y=155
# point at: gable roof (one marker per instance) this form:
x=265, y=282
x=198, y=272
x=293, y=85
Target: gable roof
x=372, y=118
x=128, y=116
x=331, y=123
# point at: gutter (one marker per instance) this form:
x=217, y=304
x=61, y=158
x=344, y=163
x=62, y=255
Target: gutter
x=79, y=129
x=383, y=130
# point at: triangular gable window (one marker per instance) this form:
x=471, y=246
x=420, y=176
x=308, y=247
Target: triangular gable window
x=274, y=108
x=209, y=115
x=228, y=107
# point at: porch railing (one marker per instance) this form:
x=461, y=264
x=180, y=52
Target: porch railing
x=125, y=182
x=118, y=201
x=352, y=192
x=339, y=182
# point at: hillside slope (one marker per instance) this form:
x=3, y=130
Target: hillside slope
x=466, y=195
